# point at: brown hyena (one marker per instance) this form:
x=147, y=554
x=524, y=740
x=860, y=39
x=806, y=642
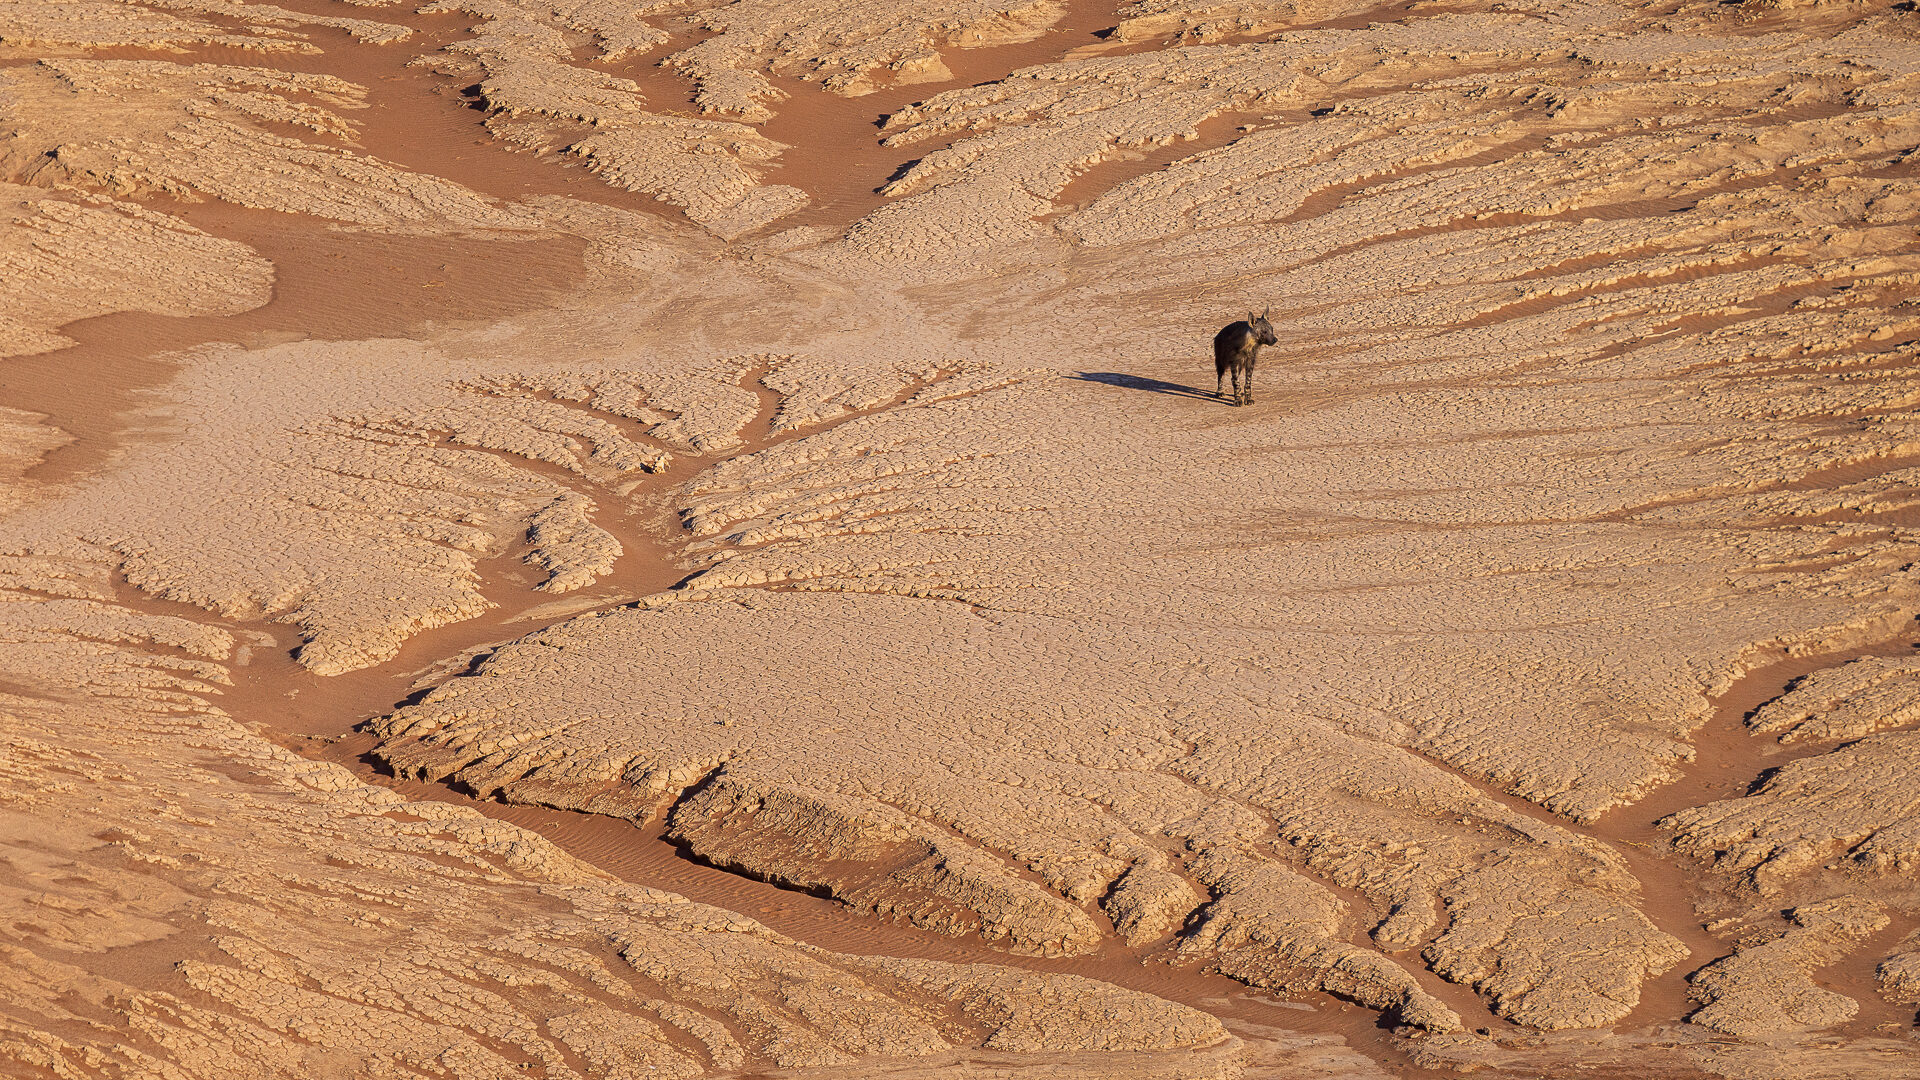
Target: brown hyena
x=1235, y=349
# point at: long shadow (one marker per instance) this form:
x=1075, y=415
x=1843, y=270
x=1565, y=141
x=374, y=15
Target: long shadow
x=1141, y=382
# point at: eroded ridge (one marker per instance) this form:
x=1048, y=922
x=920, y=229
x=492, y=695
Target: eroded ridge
x=1810, y=863
x=192, y=130
x=71, y=27
x=67, y=258
x=398, y=505
x=455, y=944
x=683, y=127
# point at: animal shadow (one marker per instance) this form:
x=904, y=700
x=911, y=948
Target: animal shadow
x=1141, y=382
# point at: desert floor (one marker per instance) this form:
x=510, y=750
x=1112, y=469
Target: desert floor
x=678, y=538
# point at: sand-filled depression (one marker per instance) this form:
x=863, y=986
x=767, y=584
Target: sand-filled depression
x=680, y=538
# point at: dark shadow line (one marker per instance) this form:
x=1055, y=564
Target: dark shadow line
x=1141, y=382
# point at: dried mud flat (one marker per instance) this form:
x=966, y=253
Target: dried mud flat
x=679, y=538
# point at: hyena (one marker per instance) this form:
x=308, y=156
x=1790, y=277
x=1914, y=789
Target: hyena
x=1236, y=348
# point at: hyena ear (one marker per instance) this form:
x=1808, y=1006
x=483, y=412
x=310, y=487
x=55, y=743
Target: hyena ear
x=1249, y=318
x=1267, y=312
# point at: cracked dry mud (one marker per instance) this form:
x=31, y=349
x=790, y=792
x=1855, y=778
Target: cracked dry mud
x=690, y=538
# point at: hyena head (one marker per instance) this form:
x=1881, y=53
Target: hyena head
x=1262, y=329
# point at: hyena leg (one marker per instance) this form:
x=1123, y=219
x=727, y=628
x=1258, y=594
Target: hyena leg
x=1249, y=384
x=1219, y=376
x=1239, y=395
